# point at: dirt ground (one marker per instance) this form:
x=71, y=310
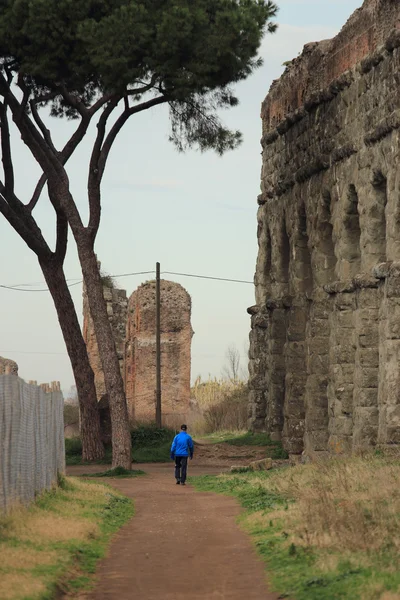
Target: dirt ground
x=181, y=543
x=226, y=455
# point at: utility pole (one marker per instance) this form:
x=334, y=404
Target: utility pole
x=158, y=347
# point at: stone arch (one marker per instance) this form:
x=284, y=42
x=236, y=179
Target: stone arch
x=326, y=241
x=351, y=254
x=264, y=259
x=303, y=254
x=378, y=215
x=284, y=253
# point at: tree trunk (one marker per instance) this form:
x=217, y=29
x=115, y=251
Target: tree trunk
x=92, y=446
x=121, y=438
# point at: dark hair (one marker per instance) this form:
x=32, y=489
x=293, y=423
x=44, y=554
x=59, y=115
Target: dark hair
x=184, y=427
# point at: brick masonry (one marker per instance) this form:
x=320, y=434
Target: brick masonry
x=133, y=323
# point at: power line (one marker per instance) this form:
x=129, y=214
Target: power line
x=20, y=287
x=35, y=352
x=207, y=277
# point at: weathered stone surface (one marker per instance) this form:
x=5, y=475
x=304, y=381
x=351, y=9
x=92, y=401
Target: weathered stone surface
x=133, y=325
x=117, y=303
x=8, y=367
x=325, y=361
x=261, y=465
x=140, y=352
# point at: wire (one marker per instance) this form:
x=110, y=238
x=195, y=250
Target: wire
x=207, y=277
x=27, y=352
x=129, y=274
x=20, y=288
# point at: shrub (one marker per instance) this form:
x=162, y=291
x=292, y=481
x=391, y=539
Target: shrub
x=150, y=435
x=73, y=447
x=231, y=413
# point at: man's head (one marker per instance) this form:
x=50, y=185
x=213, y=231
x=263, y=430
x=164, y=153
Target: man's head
x=183, y=427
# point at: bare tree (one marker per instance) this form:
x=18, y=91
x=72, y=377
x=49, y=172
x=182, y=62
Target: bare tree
x=231, y=369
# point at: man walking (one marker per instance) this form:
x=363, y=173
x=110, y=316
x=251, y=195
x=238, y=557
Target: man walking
x=181, y=449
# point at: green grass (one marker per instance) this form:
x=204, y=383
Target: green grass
x=51, y=549
x=149, y=444
x=117, y=473
x=296, y=569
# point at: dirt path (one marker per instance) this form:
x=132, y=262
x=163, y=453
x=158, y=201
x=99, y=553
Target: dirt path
x=180, y=544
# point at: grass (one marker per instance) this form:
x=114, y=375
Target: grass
x=149, y=445
x=328, y=530
x=248, y=438
x=52, y=547
x=117, y=473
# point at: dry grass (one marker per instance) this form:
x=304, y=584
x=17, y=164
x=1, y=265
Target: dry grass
x=210, y=392
x=20, y=586
x=347, y=505
x=40, y=543
x=13, y=558
x=223, y=403
x=327, y=531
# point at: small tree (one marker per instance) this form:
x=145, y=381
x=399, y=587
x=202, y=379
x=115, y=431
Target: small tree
x=232, y=368
x=107, y=60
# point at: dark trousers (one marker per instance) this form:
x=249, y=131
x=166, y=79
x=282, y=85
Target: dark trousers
x=181, y=468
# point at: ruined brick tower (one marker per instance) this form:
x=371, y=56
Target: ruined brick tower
x=117, y=304
x=325, y=338
x=140, y=352
x=133, y=325
x=8, y=367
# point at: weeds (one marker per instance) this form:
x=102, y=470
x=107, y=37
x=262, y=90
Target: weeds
x=329, y=530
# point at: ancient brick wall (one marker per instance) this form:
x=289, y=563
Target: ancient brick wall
x=140, y=352
x=133, y=325
x=117, y=304
x=325, y=338
x=8, y=367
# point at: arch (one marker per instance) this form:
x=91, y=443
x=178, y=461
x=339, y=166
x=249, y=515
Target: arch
x=268, y=256
x=352, y=231
x=378, y=215
x=327, y=245
x=284, y=253
x=303, y=254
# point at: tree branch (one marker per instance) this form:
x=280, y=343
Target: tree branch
x=120, y=122
x=26, y=93
x=33, y=239
x=62, y=237
x=63, y=156
x=31, y=136
x=39, y=122
x=6, y=156
x=73, y=101
x=100, y=154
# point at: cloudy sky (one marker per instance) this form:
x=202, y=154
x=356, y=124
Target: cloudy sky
x=195, y=213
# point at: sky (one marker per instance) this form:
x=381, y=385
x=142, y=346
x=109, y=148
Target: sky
x=194, y=213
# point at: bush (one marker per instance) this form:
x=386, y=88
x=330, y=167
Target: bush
x=149, y=444
x=71, y=414
x=231, y=413
x=73, y=447
x=151, y=435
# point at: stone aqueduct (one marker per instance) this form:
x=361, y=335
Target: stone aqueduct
x=325, y=337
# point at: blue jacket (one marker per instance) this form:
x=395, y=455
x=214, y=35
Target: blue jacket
x=182, y=445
